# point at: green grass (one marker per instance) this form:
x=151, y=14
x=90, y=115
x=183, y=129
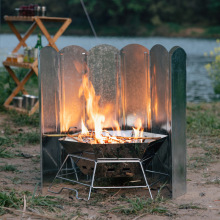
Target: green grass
x=212, y=150
x=5, y=153
x=203, y=132
x=13, y=199
x=138, y=205
x=36, y=159
x=9, y=200
x=190, y=206
x=28, y=138
x=8, y=167
x=22, y=138
x=24, y=120
x=202, y=121
x=6, y=142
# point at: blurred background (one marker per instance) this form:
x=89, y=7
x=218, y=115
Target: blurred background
x=131, y=17
x=192, y=24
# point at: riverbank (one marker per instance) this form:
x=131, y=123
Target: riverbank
x=164, y=30
x=20, y=176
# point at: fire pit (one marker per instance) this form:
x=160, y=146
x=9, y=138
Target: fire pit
x=101, y=91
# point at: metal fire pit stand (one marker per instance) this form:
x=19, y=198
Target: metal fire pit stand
x=97, y=161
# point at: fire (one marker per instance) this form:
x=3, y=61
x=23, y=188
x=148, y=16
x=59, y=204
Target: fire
x=96, y=119
x=84, y=129
x=138, y=132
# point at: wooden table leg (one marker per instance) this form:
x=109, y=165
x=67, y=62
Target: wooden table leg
x=46, y=33
x=34, y=108
x=17, y=34
x=62, y=29
x=18, y=88
x=35, y=66
x=26, y=36
x=12, y=74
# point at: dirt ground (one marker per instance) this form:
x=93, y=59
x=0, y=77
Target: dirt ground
x=202, y=200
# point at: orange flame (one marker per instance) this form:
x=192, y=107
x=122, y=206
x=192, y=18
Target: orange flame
x=96, y=118
x=138, y=131
x=84, y=129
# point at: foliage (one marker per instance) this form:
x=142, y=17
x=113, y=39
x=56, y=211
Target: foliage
x=202, y=120
x=213, y=68
x=30, y=138
x=25, y=120
x=8, y=167
x=13, y=199
x=127, y=17
x=5, y=153
x=7, y=84
x=9, y=200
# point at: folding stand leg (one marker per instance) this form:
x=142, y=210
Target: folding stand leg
x=74, y=167
x=92, y=182
x=57, y=176
x=156, y=172
x=60, y=176
x=145, y=178
x=91, y=185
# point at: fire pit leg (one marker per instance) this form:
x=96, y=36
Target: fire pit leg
x=119, y=160
x=96, y=162
x=57, y=176
x=145, y=178
x=60, y=176
x=92, y=182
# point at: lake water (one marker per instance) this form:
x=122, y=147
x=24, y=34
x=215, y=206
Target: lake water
x=199, y=85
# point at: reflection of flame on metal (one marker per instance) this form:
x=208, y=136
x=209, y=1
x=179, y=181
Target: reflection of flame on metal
x=138, y=131
x=155, y=95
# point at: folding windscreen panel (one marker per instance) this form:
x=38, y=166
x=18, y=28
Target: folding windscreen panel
x=132, y=83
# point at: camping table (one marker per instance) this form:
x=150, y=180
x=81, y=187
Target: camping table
x=36, y=21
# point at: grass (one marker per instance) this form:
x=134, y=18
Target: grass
x=215, y=181
x=9, y=200
x=203, y=120
x=209, y=155
x=140, y=205
x=24, y=120
x=189, y=206
x=137, y=205
x=203, y=132
x=13, y=199
x=8, y=167
x=5, y=153
x=148, y=206
x=28, y=138
x=32, y=137
x=6, y=141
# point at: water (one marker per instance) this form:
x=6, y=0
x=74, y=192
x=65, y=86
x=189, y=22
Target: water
x=199, y=85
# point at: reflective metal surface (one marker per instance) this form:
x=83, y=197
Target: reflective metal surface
x=132, y=82
x=49, y=67
x=178, y=129
x=134, y=90
x=160, y=100
x=102, y=64
x=71, y=71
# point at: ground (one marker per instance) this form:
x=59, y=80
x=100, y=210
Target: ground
x=20, y=175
